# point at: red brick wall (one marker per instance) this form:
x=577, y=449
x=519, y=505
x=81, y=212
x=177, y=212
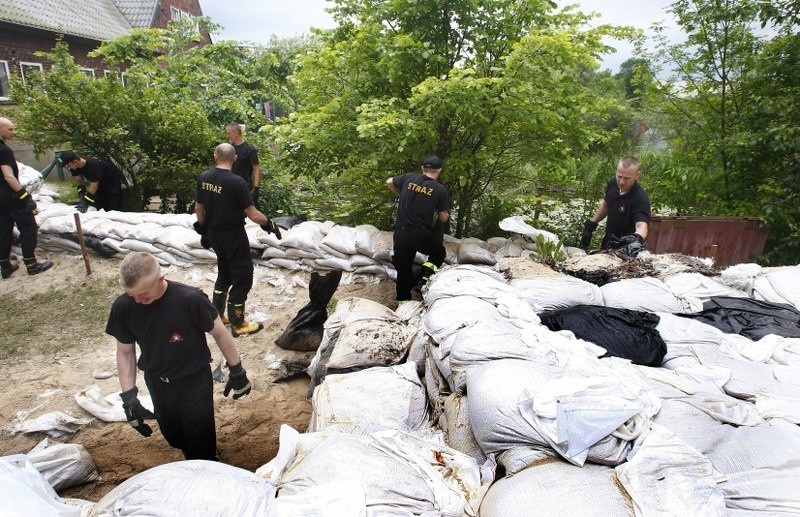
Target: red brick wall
x=164, y=13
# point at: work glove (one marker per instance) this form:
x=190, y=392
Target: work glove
x=588, y=229
x=271, y=227
x=81, y=190
x=237, y=381
x=25, y=200
x=630, y=239
x=135, y=412
x=199, y=228
x=205, y=242
x=91, y=199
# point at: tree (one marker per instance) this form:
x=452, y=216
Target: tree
x=492, y=88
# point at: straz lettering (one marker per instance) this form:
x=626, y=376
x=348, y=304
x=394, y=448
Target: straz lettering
x=216, y=189
x=419, y=189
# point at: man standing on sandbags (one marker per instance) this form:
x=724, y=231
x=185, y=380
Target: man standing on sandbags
x=16, y=207
x=246, y=165
x=628, y=209
x=423, y=202
x=169, y=321
x=104, y=188
x=223, y=201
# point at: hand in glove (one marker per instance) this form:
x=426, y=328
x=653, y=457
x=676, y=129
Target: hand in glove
x=135, y=412
x=205, y=242
x=630, y=239
x=199, y=228
x=25, y=200
x=271, y=227
x=588, y=229
x=91, y=199
x=237, y=381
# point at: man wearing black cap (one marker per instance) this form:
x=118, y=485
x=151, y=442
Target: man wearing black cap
x=424, y=204
x=104, y=189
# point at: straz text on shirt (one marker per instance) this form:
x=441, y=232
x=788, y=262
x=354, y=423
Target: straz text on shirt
x=216, y=189
x=419, y=189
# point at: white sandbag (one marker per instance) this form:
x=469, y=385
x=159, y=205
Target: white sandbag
x=335, y=263
x=54, y=423
x=101, y=228
x=58, y=224
x=178, y=238
x=139, y=245
x=147, y=232
x=665, y=476
x=741, y=276
x=779, y=285
x=115, y=244
x=365, y=239
x=287, y=263
x=469, y=253
x=24, y=491
x=344, y=498
x=467, y=280
x=516, y=224
x=384, y=244
x=361, y=261
x=298, y=254
x=195, y=487
x=581, y=415
x=63, y=465
x=53, y=243
x=454, y=420
x=305, y=236
x=695, y=289
x=370, y=400
x=372, y=270
x=29, y=178
x=342, y=239
x=448, y=315
x=394, y=469
x=107, y=408
x=557, y=292
x=646, y=294
x=273, y=252
x=558, y=488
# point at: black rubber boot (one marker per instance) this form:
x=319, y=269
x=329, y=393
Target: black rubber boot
x=239, y=327
x=34, y=267
x=7, y=268
x=218, y=299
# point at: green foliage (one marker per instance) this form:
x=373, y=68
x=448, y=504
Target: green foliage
x=548, y=252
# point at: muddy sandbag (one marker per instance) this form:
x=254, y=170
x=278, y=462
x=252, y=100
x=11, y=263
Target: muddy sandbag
x=748, y=317
x=63, y=465
x=194, y=487
x=623, y=333
x=470, y=253
x=304, y=332
x=24, y=491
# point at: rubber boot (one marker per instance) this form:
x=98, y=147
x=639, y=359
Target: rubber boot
x=239, y=327
x=218, y=299
x=7, y=268
x=34, y=267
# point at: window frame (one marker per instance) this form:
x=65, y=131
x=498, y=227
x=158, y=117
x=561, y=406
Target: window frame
x=88, y=71
x=4, y=68
x=23, y=64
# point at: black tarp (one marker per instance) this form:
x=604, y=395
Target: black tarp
x=751, y=318
x=304, y=332
x=622, y=332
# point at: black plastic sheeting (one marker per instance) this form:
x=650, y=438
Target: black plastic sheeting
x=304, y=332
x=622, y=332
x=92, y=243
x=751, y=318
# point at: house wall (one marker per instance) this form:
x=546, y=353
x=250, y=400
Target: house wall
x=164, y=12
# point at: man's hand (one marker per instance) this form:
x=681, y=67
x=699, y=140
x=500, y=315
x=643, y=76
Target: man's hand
x=25, y=200
x=630, y=239
x=237, y=382
x=135, y=412
x=91, y=199
x=588, y=229
x=199, y=228
x=271, y=227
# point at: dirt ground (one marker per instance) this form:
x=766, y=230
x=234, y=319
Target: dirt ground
x=247, y=429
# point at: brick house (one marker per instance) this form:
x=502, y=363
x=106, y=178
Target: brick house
x=28, y=26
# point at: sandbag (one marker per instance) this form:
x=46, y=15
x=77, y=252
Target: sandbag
x=748, y=317
x=551, y=293
x=469, y=253
x=779, y=285
x=642, y=294
x=454, y=420
x=194, y=487
x=304, y=332
x=623, y=333
x=63, y=465
x=24, y=491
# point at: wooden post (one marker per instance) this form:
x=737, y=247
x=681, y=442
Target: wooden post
x=83, y=244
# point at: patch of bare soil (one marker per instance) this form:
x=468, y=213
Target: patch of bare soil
x=73, y=356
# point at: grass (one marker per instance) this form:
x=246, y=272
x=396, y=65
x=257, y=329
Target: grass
x=54, y=321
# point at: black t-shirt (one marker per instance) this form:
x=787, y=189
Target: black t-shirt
x=624, y=211
x=171, y=331
x=224, y=196
x=420, y=198
x=95, y=170
x=7, y=158
x=246, y=158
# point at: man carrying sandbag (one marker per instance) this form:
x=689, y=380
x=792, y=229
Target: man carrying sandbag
x=424, y=204
x=169, y=321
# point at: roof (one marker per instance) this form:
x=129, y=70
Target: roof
x=99, y=20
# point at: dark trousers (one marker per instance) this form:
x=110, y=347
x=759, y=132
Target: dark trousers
x=109, y=197
x=185, y=409
x=407, y=242
x=234, y=264
x=10, y=214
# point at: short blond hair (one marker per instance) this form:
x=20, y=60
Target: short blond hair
x=136, y=266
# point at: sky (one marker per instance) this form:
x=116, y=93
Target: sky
x=258, y=20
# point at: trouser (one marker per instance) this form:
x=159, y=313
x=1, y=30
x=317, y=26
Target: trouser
x=185, y=409
x=407, y=242
x=26, y=224
x=234, y=264
x=109, y=198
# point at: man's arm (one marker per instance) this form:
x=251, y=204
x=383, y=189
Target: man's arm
x=79, y=179
x=93, y=186
x=601, y=213
x=200, y=212
x=392, y=186
x=444, y=216
x=256, y=176
x=642, y=228
x=126, y=365
x=8, y=174
x=255, y=215
x=225, y=342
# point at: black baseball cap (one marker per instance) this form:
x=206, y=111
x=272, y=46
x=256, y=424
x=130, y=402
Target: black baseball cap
x=432, y=162
x=68, y=157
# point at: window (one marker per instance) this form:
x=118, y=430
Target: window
x=88, y=71
x=175, y=13
x=123, y=78
x=4, y=86
x=28, y=69
x=106, y=73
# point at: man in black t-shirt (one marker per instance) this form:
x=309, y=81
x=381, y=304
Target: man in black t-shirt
x=246, y=165
x=16, y=207
x=628, y=209
x=169, y=321
x=223, y=200
x=424, y=204
x=104, y=188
